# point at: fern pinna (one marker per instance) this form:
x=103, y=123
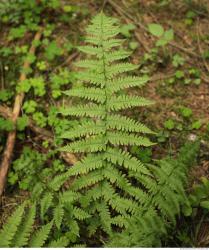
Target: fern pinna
x=19, y=230
x=150, y=226
x=104, y=175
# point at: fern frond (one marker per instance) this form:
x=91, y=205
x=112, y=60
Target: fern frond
x=68, y=197
x=45, y=203
x=41, y=235
x=80, y=213
x=58, y=181
x=109, y=28
x=58, y=215
x=91, y=195
x=105, y=217
x=117, y=156
x=149, y=224
x=18, y=231
x=120, y=221
x=86, y=145
x=89, y=64
x=121, y=138
x=91, y=50
x=124, y=102
x=74, y=230
x=122, y=158
x=90, y=110
x=123, y=205
x=92, y=77
x=91, y=94
x=114, y=176
x=89, y=163
x=87, y=181
x=11, y=227
x=86, y=128
x=126, y=82
x=116, y=55
x=119, y=68
x=102, y=177
x=23, y=234
x=126, y=124
x=61, y=242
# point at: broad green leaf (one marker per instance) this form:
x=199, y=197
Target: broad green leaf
x=156, y=29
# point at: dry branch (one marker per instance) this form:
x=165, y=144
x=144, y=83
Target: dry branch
x=8, y=151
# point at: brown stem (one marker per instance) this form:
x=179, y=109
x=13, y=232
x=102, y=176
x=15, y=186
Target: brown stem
x=8, y=151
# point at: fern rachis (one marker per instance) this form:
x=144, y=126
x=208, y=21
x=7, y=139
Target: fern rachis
x=102, y=130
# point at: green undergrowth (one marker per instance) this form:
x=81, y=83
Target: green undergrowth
x=117, y=193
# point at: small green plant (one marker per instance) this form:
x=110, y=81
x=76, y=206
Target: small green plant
x=57, y=81
x=52, y=50
x=40, y=119
x=164, y=37
x=178, y=60
x=197, y=124
x=126, y=29
x=30, y=106
x=185, y=112
x=190, y=16
x=6, y=125
x=169, y=124
x=5, y=95
x=199, y=198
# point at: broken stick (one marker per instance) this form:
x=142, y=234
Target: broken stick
x=8, y=151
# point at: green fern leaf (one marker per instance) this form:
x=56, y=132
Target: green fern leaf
x=91, y=50
x=80, y=214
x=92, y=77
x=126, y=124
x=86, y=181
x=86, y=128
x=91, y=110
x=117, y=156
x=88, y=164
x=86, y=145
x=45, y=203
x=58, y=181
x=41, y=236
x=121, y=138
x=126, y=82
x=91, y=94
x=58, y=215
x=104, y=175
x=119, y=68
x=68, y=197
x=60, y=243
x=11, y=227
x=22, y=236
x=116, y=55
x=124, y=101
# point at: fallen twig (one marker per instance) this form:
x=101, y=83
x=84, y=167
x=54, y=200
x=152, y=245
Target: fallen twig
x=200, y=48
x=8, y=151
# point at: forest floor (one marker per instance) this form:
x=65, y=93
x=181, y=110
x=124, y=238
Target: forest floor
x=178, y=71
